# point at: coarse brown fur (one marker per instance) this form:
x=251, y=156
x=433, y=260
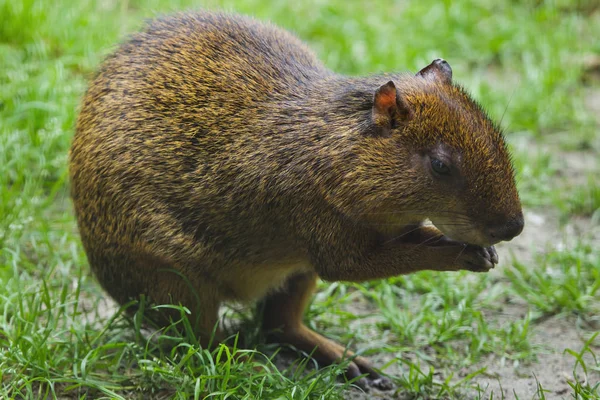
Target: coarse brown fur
x=215, y=158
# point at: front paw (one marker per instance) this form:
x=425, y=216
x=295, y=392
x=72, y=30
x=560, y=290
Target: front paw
x=478, y=259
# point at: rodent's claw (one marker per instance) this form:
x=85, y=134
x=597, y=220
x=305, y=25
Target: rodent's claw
x=381, y=383
x=479, y=259
x=363, y=383
x=360, y=366
x=493, y=255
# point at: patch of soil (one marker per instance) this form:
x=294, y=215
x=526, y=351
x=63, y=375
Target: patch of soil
x=553, y=368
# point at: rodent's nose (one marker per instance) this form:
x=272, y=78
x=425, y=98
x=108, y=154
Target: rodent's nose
x=508, y=230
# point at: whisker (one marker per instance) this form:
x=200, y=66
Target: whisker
x=403, y=234
x=460, y=253
x=411, y=211
x=400, y=225
x=438, y=237
x=506, y=108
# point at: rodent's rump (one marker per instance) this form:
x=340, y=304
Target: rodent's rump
x=216, y=158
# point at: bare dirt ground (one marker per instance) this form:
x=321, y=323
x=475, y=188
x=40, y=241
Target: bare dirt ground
x=553, y=369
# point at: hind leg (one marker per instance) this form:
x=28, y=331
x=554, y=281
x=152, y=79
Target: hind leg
x=128, y=276
x=201, y=299
x=282, y=316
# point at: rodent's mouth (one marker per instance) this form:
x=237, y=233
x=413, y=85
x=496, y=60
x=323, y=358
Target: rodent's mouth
x=480, y=244
x=471, y=231
x=447, y=240
x=470, y=243
x=464, y=237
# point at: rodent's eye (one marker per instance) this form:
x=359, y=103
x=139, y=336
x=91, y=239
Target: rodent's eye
x=439, y=167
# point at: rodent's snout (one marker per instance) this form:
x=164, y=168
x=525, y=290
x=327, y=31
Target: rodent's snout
x=507, y=230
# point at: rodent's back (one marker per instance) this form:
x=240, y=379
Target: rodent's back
x=170, y=115
x=200, y=79
x=199, y=69
x=211, y=56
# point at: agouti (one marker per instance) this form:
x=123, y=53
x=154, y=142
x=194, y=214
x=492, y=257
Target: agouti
x=215, y=159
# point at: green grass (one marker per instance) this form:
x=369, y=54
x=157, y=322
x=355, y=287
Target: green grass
x=564, y=282
x=432, y=332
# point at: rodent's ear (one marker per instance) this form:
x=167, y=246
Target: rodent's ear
x=439, y=70
x=389, y=110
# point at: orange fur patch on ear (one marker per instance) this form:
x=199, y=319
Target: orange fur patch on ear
x=385, y=106
x=386, y=96
x=387, y=99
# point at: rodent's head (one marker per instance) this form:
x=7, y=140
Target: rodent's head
x=432, y=152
